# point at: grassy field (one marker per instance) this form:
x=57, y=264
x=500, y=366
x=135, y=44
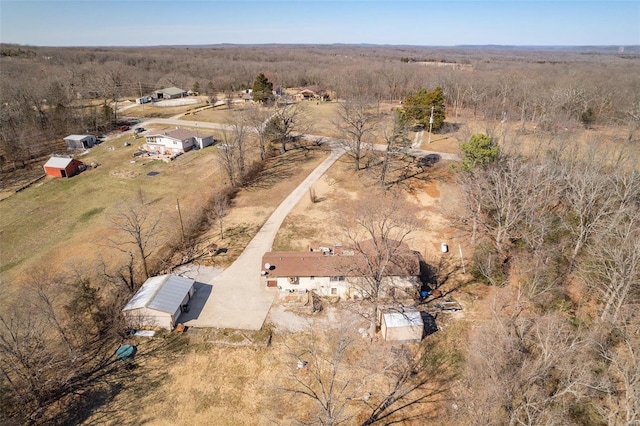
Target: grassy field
x=59, y=222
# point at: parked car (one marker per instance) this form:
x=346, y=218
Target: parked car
x=139, y=130
x=123, y=128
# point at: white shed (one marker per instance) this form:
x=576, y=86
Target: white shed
x=402, y=326
x=159, y=302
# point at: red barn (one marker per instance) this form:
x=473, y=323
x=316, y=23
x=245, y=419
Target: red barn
x=62, y=167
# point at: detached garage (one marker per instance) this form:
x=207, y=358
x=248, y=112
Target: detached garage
x=405, y=326
x=63, y=167
x=159, y=302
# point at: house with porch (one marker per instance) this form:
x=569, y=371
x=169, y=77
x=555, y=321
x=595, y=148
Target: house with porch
x=177, y=141
x=334, y=271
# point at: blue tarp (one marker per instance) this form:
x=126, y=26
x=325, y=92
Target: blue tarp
x=126, y=352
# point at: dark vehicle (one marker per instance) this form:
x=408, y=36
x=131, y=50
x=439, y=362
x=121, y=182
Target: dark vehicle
x=139, y=130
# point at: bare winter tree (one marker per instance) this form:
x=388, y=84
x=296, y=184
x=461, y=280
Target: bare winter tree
x=320, y=373
x=287, y=119
x=524, y=369
x=394, y=136
x=257, y=119
x=349, y=383
x=378, y=229
x=55, y=345
x=139, y=228
x=356, y=120
x=619, y=351
x=612, y=267
x=219, y=209
x=233, y=152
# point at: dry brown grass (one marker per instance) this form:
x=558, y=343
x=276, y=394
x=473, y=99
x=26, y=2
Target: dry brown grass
x=66, y=221
x=157, y=111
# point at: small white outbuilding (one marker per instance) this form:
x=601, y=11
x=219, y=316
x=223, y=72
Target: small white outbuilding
x=402, y=326
x=80, y=141
x=159, y=302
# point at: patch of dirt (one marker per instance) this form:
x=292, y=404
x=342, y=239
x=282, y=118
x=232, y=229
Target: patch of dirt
x=125, y=174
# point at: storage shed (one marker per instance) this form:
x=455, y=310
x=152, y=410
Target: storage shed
x=63, y=167
x=80, y=141
x=159, y=302
x=402, y=326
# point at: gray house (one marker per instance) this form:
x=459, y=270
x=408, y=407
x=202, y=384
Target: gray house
x=80, y=141
x=159, y=302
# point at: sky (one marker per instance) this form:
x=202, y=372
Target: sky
x=423, y=23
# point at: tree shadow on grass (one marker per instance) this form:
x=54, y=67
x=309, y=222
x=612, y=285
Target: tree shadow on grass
x=134, y=379
x=279, y=168
x=409, y=169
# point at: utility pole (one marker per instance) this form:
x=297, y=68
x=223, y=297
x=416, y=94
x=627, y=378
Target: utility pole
x=430, y=124
x=180, y=216
x=464, y=270
x=142, y=100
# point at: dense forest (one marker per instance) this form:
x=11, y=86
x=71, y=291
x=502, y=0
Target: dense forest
x=555, y=224
x=49, y=92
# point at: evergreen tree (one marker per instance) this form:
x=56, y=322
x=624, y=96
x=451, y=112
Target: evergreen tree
x=479, y=150
x=262, y=89
x=417, y=108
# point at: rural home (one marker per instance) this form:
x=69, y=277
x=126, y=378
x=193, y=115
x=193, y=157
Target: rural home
x=177, y=141
x=170, y=93
x=80, y=141
x=332, y=271
x=159, y=302
x=312, y=93
x=63, y=167
x=404, y=325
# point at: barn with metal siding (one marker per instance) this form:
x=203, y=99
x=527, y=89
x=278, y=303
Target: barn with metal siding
x=159, y=302
x=62, y=167
x=80, y=141
x=170, y=93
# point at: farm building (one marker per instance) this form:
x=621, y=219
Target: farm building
x=170, y=93
x=63, y=167
x=312, y=93
x=177, y=141
x=159, y=302
x=402, y=326
x=333, y=271
x=80, y=141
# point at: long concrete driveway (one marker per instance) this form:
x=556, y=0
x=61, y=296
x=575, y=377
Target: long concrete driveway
x=238, y=299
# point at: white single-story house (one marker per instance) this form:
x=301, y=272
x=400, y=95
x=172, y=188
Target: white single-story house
x=402, y=325
x=177, y=141
x=80, y=141
x=159, y=302
x=170, y=93
x=331, y=271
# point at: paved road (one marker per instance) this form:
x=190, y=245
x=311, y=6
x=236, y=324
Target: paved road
x=237, y=298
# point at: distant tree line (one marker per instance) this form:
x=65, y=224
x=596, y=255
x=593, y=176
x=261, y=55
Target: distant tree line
x=49, y=92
